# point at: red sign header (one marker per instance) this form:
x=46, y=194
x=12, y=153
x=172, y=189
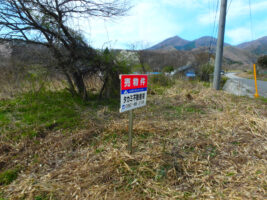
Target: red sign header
x=133, y=82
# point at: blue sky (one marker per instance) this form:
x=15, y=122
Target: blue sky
x=151, y=21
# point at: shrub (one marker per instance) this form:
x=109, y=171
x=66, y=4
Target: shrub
x=161, y=80
x=138, y=68
x=204, y=72
x=223, y=81
x=167, y=69
x=111, y=82
x=262, y=61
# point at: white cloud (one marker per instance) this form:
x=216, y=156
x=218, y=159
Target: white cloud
x=236, y=10
x=240, y=8
x=152, y=21
x=206, y=19
x=186, y=3
x=146, y=22
x=239, y=35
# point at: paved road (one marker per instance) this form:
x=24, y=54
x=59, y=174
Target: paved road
x=244, y=87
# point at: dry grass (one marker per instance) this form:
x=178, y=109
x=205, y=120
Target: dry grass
x=17, y=80
x=189, y=143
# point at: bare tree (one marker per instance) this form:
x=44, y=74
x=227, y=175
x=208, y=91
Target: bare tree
x=47, y=22
x=140, y=48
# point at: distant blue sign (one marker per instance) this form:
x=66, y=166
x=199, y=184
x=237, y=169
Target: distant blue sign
x=153, y=73
x=190, y=74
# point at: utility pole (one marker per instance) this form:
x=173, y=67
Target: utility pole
x=220, y=44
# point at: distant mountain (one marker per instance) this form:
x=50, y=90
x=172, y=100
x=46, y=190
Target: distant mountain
x=170, y=43
x=198, y=43
x=241, y=56
x=185, y=45
x=258, y=47
x=238, y=58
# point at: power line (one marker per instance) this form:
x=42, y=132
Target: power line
x=215, y=28
x=228, y=7
x=251, y=25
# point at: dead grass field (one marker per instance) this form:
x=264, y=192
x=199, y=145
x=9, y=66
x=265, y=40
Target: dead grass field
x=190, y=142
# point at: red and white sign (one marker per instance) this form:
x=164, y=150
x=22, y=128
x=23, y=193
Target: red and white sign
x=133, y=92
x=133, y=81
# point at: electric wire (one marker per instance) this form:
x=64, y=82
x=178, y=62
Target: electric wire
x=251, y=23
x=229, y=5
x=215, y=27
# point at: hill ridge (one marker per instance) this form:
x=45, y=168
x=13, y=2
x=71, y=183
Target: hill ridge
x=257, y=46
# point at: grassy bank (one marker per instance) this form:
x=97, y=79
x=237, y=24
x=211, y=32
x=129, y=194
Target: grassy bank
x=190, y=142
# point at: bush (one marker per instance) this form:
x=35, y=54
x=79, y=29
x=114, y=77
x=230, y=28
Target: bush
x=168, y=69
x=111, y=81
x=138, y=68
x=262, y=61
x=204, y=72
x=223, y=81
x=161, y=80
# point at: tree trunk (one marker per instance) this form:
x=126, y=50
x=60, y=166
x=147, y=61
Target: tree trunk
x=103, y=88
x=111, y=86
x=143, y=68
x=79, y=83
x=142, y=61
x=71, y=86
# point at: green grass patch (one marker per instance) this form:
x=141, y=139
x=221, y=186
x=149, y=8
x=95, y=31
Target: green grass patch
x=206, y=84
x=263, y=99
x=41, y=197
x=159, y=83
x=95, y=103
x=188, y=109
x=144, y=136
x=182, y=110
x=223, y=80
x=45, y=196
x=6, y=177
x=159, y=90
x=230, y=174
x=161, y=80
x=27, y=114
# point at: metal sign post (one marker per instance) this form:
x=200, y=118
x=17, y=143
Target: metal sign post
x=133, y=95
x=130, y=138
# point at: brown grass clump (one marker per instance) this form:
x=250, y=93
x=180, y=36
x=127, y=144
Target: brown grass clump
x=189, y=143
x=19, y=80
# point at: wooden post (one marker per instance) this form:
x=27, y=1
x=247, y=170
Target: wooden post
x=256, y=86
